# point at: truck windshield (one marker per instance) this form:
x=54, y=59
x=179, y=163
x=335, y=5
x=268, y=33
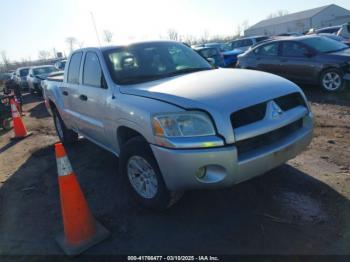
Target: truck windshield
x=24, y=72
x=151, y=61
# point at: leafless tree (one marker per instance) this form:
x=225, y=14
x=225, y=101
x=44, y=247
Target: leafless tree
x=5, y=60
x=43, y=55
x=240, y=28
x=173, y=34
x=278, y=14
x=189, y=39
x=107, y=36
x=71, y=41
x=81, y=44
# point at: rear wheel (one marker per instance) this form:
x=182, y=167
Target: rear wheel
x=331, y=80
x=140, y=168
x=67, y=136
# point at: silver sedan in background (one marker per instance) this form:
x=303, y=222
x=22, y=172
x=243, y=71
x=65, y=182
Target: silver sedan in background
x=38, y=74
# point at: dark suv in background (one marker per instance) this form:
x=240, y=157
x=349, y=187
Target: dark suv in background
x=306, y=59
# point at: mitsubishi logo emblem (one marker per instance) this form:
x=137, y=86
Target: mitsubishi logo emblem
x=273, y=111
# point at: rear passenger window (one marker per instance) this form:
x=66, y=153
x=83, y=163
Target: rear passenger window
x=248, y=42
x=293, y=49
x=92, y=70
x=267, y=50
x=74, y=68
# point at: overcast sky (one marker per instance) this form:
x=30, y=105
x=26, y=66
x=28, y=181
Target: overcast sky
x=29, y=26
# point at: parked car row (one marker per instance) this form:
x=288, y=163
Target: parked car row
x=30, y=78
x=225, y=54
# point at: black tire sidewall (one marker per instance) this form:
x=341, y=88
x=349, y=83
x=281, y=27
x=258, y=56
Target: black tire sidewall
x=335, y=70
x=139, y=147
x=69, y=136
x=6, y=124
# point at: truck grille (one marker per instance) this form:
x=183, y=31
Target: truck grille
x=257, y=112
x=269, y=138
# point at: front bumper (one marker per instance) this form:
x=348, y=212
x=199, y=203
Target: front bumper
x=23, y=85
x=223, y=166
x=37, y=86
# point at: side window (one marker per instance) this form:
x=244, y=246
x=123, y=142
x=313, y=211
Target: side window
x=260, y=39
x=240, y=43
x=92, y=75
x=248, y=42
x=267, y=50
x=293, y=49
x=74, y=68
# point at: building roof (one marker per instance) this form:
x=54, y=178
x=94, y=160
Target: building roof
x=290, y=17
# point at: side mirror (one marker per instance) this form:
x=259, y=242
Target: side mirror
x=211, y=61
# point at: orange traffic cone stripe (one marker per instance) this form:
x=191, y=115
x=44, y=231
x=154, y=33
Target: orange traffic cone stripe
x=80, y=228
x=18, y=126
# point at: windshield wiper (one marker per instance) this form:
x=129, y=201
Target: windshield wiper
x=188, y=70
x=139, y=79
x=144, y=78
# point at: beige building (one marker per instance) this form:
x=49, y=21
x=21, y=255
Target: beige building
x=300, y=22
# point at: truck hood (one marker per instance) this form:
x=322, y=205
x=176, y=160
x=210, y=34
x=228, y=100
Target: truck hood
x=216, y=91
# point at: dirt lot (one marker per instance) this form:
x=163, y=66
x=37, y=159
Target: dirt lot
x=302, y=207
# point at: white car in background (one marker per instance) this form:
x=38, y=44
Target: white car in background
x=38, y=74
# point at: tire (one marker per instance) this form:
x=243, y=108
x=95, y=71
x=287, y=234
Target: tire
x=331, y=80
x=67, y=136
x=158, y=196
x=6, y=124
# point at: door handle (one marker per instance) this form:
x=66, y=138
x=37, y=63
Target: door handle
x=284, y=60
x=65, y=93
x=83, y=97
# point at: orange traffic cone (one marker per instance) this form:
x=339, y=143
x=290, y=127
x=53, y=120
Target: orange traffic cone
x=18, y=126
x=81, y=230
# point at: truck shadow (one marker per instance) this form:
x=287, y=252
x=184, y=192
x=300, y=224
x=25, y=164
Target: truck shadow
x=283, y=212
x=39, y=111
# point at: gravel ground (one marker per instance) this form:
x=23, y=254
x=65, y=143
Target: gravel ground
x=301, y=207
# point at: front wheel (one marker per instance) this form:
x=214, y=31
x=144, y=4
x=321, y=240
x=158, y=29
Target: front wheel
x=143, y=175
x=331, y=80
x=67, y=136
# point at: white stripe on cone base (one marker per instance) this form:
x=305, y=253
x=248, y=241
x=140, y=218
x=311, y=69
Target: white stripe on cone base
x=64, y=167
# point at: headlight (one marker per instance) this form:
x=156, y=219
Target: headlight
x=185, y=124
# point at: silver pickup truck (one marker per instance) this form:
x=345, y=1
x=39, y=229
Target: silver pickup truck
x=175, y=122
